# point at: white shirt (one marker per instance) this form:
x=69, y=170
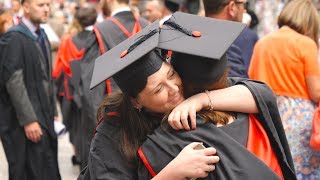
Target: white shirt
x=30, y=26
x=127, y=8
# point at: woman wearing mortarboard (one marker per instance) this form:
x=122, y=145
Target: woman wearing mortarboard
x=248, y=145
x=151, y=88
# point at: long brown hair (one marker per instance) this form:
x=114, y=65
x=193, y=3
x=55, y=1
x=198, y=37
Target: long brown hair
x=134, y=125
x=301, y=16
x=216, y=117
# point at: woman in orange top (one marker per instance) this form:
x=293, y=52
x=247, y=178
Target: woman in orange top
x=287, y=61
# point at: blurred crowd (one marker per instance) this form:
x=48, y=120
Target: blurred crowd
x=261, y=47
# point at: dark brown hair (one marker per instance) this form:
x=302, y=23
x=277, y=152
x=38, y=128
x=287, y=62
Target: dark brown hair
x=86, y=16
x=213, y=7
x=134, y=125
x=216, y=117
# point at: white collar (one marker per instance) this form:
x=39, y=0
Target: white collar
x=30, y=26
x=126, y=8
x=89, y=28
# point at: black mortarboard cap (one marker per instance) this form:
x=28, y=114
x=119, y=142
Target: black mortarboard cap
x=131, y=62
x=199, y=45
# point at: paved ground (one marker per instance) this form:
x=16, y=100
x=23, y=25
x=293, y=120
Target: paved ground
x=68, y=172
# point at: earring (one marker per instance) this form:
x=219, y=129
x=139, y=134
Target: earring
x=138, y=108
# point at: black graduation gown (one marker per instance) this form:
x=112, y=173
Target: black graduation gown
x=105, y=160
x=70, y=107
x=22, y=58
x=236, y=161
x=111, y=35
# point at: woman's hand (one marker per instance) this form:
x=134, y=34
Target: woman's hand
x=190, y=163
x=178, y=118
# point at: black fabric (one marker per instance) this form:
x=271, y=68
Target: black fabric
x=239, y=129
x=41, y=40
x=186, y=65
x=38, y=81
x=20, y=51
x=28, y=160
x=246, y=42
x=193, y=7
x=80, y=39
x=270, y=119
x=105, y=161
x=104, y=146
x=124, y=54
x=236, y=162
x=235, y=62
x=167, y=144
x=133, y=78
x=91, y=99
x=70, y=103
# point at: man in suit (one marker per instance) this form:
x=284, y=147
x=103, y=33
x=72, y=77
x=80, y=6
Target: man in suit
x=27, y=103
x=230, y=10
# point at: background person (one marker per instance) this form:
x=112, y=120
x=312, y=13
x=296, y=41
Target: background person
x=27, y=97
x=230, y=10
x=121, y=24
x=72, y=49
x=291, y=69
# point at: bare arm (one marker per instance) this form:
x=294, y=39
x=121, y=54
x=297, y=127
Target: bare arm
x=310, y=60
x=236, y=98
x=313, y=84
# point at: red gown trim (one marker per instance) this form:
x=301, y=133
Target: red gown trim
x=146, y=163
x=67, y=52
x=259, y=144
x=115, y=114
x=102, y=51
x=136, y=27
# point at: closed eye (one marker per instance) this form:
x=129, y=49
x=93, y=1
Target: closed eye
x=158, y=90
x=172, y=73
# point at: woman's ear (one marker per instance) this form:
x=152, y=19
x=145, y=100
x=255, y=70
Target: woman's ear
x=135, y=103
